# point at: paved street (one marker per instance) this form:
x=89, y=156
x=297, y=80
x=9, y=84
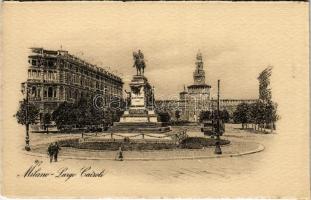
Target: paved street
x=194, y=177
x=241, y=141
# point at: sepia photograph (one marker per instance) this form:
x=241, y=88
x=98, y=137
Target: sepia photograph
x=155, y=100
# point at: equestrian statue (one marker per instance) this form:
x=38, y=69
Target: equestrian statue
x=139, y=62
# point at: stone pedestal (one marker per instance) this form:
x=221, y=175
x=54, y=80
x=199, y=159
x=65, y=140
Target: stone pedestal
x=140, y=115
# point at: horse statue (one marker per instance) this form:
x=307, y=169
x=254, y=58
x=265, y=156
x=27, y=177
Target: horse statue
x=139, y=62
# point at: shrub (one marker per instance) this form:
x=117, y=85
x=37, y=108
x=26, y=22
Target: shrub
x=200, y=142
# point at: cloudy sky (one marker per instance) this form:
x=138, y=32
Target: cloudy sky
x=237, y=40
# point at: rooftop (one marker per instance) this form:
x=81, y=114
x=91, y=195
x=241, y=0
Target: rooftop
x=63, y=53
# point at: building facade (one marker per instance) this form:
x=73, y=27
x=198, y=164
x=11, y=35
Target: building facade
x=196, y=98
x=230, y=104
x=169, y=106
x=57, y=76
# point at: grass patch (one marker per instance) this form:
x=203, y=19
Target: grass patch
x=132, y=145
x=200, y=142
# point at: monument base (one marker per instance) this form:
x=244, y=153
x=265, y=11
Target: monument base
x=138, y=117
x=139, y=120
x=136, y=127
x=137, y=114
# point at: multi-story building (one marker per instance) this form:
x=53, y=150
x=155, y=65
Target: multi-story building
x=57, y=76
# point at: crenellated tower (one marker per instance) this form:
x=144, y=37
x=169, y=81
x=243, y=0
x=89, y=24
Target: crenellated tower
x=199, y=73
x=198, y=94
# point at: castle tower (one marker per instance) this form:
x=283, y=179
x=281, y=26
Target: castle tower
x=199, y=73
x=199, y=93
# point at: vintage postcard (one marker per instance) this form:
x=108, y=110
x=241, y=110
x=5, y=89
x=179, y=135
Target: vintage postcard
x=155, y=100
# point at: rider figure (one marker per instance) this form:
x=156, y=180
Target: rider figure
x=139, y=62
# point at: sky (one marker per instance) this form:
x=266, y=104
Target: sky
x=237, y=41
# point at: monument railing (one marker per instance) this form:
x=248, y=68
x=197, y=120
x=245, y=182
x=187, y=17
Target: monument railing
x=115, y=137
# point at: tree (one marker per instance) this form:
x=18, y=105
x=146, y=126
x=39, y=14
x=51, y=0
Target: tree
x=264, y=84
x=205, y=115
x=84, y=113
x=177, y=114
x=27, y=114
x=117, y=115
x=164, y=117
x=271, y=115
x=257, y=113
x=225, y=116
x=242, y=114
x=80, y=114
x=47, y=117
x=268, y=109
x=32, y=113
x=64, y=115
x=108, y=118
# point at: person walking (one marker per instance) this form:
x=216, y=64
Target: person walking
x=50, y=152
x=119, y=155
x=217, y=148
x=56, y=150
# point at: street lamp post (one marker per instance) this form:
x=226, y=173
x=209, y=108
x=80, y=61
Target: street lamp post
x=153, y=100
x=27, y=146
x=218, y=115
x=217, y=146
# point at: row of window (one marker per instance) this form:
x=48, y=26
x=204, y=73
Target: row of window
x=72, y=78
x=80, y=80
x=62, y=63
x=84, y=71
x=76, y=78
x=42, y=62
x=51, y=92
x=76, y=94
x=37, y=74
x=47, y=92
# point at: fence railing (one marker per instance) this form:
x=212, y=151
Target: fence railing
x=176, y=138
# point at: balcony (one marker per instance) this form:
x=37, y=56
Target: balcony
x=34, y=80
x=34, y=98
x=51, y=81
x=50, y=99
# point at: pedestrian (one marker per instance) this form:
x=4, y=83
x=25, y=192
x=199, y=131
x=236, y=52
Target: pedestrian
x=217, y=148
x=56, y=150
x=50, y=152
x=119, y=156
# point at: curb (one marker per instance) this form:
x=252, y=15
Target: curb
x=259, y=149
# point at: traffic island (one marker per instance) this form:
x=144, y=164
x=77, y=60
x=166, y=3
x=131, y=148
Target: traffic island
x=236, y=147
x=141, y=144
